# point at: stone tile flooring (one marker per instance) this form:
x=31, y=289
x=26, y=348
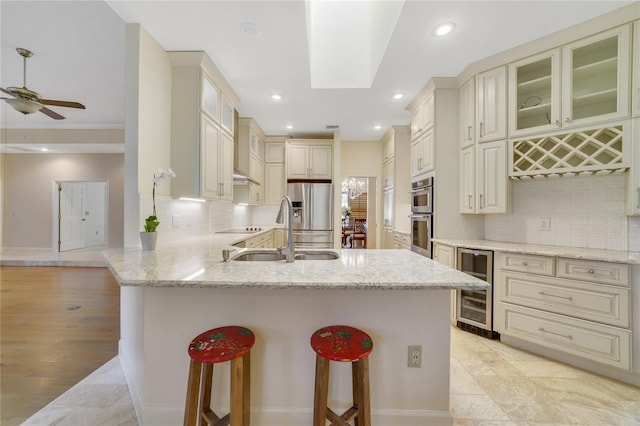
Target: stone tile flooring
x=492, y=384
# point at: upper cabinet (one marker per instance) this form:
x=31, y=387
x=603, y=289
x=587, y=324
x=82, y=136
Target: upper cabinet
x=275, y=181
x=201, y=145
x=422, y=154
x=491, y=105
x=534, y=93
x=249, y=159
x=423, y=117
x=636, y=70
x=591, y=86
x=595, y=78
x=309, y=159
x=468, y=114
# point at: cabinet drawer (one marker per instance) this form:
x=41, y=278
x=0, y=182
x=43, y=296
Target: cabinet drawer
x=598, y=272
x=527, y=263
x=600, y=343
x=601, y=303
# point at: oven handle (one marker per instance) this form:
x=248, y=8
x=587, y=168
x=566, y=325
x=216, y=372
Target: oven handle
x=418, y=216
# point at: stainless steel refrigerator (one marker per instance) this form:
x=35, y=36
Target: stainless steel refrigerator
x=312, y=214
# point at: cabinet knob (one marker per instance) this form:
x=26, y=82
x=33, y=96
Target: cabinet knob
x=591, y=271
x=525, y=263
x=556, y=122
x=567, y=120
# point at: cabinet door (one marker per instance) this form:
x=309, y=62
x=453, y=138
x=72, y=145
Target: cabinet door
x=428, y=113
x=428, y=145
x=297, y=161
x=468, y=180
x=492, y=177
x=636, y=71
x=444, y=254
x=256, y=170
x=492, y=105
x=320, y=161
x=415, y=157
x=256, y=145
x=388, y=208
x=534, y=94
x=595, y=85
x=387, y=174
x=209, y=161
x=275, y=183
x=210, y=98
x=225, y=164
x=226, y=115
x=274, y=152
x=467, y=114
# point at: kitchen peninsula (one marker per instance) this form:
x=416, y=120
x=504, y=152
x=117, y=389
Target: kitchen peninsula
x=170, y=295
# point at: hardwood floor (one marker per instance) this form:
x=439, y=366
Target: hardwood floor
x=58, y=324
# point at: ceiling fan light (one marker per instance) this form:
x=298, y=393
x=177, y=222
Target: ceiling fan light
x=25, y=106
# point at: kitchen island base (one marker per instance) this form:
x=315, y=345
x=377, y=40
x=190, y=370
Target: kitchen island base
x=159, y=322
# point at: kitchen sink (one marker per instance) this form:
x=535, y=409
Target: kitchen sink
x=316, y=255
x=274, y=256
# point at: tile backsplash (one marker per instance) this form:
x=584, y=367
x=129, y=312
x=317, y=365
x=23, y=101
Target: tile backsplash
x=584, y=211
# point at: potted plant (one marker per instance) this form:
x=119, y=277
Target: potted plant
x=149, y=236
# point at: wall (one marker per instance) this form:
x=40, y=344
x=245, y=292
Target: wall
x=28, y=193
x=584, y=212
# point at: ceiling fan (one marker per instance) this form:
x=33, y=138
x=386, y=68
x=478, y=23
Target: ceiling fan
x=27, y=101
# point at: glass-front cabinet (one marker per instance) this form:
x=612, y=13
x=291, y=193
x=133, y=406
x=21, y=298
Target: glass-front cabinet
x=534, y=95
x=595, y=84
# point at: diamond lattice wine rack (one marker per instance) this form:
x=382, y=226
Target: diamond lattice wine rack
x=594, y=151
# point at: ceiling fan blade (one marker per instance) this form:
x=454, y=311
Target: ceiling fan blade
x=6, y=91
x=67, y=104
x=52, y=114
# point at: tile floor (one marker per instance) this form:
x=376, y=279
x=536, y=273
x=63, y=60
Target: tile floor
x=492, y=384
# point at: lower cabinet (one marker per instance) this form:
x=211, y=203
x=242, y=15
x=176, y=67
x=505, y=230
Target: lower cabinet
x=444, y=254
x=401, y=240
x=578, y=307
x=264, y=240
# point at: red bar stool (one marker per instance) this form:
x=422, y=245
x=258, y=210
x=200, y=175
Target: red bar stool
x=231, y=343
x=345, y=344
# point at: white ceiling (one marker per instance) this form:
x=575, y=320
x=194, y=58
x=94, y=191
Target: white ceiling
x=79, y=49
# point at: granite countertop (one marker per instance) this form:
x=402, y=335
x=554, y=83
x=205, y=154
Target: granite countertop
x=620, y=256
x=197, y=262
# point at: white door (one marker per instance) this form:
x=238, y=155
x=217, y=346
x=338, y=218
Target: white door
x=71, y=216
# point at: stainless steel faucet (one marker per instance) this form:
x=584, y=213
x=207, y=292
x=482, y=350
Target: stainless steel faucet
x=288, y=251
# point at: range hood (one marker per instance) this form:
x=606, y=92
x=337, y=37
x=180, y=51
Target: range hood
x=241, y=178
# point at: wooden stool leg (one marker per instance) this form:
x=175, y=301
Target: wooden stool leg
x=321, y=391
x=246, y=388
x=205, y=395
x=193, y=391
x=240, y=379
x=360, y=377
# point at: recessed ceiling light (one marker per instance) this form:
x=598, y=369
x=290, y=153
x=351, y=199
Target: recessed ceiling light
x=443, y=29
x=377, y=127
x=276, y=97
x=250, y=30
x=44, y=149
x=398, y=95
x=289, y=126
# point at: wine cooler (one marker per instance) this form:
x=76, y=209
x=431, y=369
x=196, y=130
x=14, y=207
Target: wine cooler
x=474, y=308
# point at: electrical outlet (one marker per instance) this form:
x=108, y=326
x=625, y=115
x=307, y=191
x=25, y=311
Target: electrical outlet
x=414, y=358
x=545, y=224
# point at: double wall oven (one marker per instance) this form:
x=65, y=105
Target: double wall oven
x=422, y=216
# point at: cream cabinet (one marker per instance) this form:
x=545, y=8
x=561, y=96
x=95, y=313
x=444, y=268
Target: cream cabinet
x=577, y=307
x=216, y=159
x=275, y=181
x=202, y=152
x=263, y=240
x=534, y=94
x=636, y=71
x=422, y=154
x=633, y=177
x=483, y=178
x=309, y=159
x=467, y=114
x=445, y=254
x=249, y=154
x=491, y=101
x=396, y=180
x=401, y=240
x=595, y=78
x=423, y=117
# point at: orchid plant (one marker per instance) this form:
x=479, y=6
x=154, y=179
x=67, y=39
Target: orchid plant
x=151, y=223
